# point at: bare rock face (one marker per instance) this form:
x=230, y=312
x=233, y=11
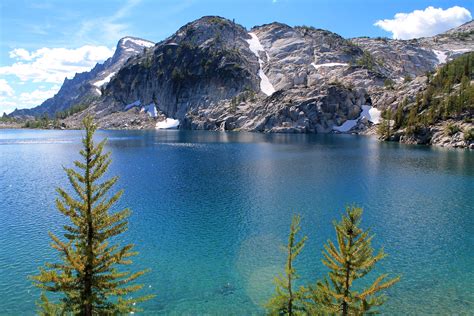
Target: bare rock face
x=205, y=62
x=214, y=74
x=294, y=110
x=293, y=56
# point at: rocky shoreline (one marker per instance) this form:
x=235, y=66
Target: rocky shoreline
x=214, y=74
x=132, y=121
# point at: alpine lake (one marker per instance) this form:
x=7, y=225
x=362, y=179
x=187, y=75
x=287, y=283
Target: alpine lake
x=211, y=210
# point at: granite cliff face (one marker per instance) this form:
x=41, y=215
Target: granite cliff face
x=204, y=63
x=214, y=74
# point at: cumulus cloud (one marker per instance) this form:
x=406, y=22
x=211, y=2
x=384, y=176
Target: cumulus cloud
x=36, y=97
x=52, y=65
x=427, y=22
x=20, y=53
x=6, y=89
x=9, y=101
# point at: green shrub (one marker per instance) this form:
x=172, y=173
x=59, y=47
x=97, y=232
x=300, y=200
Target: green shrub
x=367, y=61
x=469, y=135
x=451, y=129
x=388, y=83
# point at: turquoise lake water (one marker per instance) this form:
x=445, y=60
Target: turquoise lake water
x=210, y=211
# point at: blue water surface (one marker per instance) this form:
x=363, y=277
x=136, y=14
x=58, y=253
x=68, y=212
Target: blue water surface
x=210, y=211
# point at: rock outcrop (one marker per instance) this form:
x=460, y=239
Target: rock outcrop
x=214, y=74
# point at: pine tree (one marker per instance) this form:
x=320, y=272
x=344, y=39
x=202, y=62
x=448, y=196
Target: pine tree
x=384, y=129
x=288, y=300
x=87, y=280
x=351, y=260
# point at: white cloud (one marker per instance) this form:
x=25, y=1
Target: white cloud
x=52, y=65
x=36, y=97
x=8, y=103
x=6, y=89
x=427, y=22
x=21, y=54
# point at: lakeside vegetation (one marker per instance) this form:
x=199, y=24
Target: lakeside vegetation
x=449, y=94
x=44, y=121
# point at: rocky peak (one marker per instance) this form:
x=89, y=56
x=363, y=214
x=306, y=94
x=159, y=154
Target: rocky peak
x=132, y=45
x=86, y=86
x=210, y=31
x=467, y=27
x=205, y=61
x=127, y=47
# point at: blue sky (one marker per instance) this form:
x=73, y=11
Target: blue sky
x=41, y=42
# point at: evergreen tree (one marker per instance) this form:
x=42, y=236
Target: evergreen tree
x=87, y=279
x=399, y=115
x=384, y=128
x=351, y=260
x=288, y=300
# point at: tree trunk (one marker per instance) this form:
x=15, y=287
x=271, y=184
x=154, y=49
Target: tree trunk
x=290, y=290
x=345, y=305
x=87, y=307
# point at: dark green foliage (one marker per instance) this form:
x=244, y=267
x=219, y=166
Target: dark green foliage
x=384, y=129
x=185, y=67
x=400, y=114
x=451, y=129
x=246, y=95
x=45, y=122
x=367, y=61
x=72, y=110
x=87, y=280
x=388, y=83
x=178, y=75
x=462, y=36
x=351, y=259
x=469, y=135
x=449, y=94
x=6, y=118
x=383, y=39
x=219, y=21
x=41, y=122
x=288, y=300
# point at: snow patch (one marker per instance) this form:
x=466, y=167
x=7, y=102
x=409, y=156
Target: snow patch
x=328, y=65
x=168, y=123
x=100, y=83
x=98, y=91
x=442, y=56
x=346, y=126
x=372, y=114
x=139, y=42
x=151, y=109
x=131, y=105
x=255, y=46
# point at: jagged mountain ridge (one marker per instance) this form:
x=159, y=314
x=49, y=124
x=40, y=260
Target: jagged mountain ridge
x=86, y=86
x=214, y=74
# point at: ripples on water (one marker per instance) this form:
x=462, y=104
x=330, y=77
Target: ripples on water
x=210, y=211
